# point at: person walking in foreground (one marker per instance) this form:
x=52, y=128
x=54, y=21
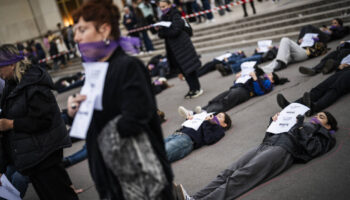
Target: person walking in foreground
x=180, y=50
x=277, y=152
x=32, y=132
x=124, y=141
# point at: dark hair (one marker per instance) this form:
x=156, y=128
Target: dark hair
x=277, y=80
x=166, y=1
x=227, y=121
x=340, y=21
x=331, y=121
x=100, y=12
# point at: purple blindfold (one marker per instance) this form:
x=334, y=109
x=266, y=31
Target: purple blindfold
x=7, y=58
x=95, y=51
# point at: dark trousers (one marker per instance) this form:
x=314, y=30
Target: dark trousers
x=192, y=81
x=311, y=29
x=227, y=100
x=53, y=183
x=245, y=8
x=255, y=167
x=208, y=67
x=330, y=90
x=336, y=55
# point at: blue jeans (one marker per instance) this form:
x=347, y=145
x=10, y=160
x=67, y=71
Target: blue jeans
x=147, y=41
x=206, y=6
x=177, y=146
x=236, y=66
x=78, y=156
x=19, y=181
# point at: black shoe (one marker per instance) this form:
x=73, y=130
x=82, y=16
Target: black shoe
x=228, y=10
x=282, y=101
x=280, y=65
x=307, y=102
x=307, y=71
x=193, y=94
x=220, y=67
x=328, y=66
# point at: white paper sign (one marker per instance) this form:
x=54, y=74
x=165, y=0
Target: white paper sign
x=247, y=68
x=307, y=40
x=163, y=23
x=287, y=118
x=222, y=57
x=95, y=75
x=346, y=60
x=264, y=45
x=196, y=121
x=7, y=190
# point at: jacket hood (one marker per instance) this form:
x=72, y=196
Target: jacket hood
x=35, y=75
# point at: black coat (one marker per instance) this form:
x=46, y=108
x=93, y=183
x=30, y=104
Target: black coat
x=304, y=141
x=180, y=50
x=127, y=92
x=38, y=130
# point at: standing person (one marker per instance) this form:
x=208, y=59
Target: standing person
x=147, y=11
x=127, y=95
x=33, y=134
x=180, y=50
x=245, y=7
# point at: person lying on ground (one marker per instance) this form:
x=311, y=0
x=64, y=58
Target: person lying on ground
x=259, y=84
x=330, y=62
x=326, y=93
x=185, y=140
x=277, y=152
x=158, y=66
x=160, y=84
x=290, y=51
x=327, y=33
x=69, y=82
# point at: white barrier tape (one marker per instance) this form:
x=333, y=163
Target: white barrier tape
x=53, y=57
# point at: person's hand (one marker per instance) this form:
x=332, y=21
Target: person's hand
x=226, y=59
x=342, y=66
x=342, y=42
x=274, y=118
x=238, y=75
x=190, y=117
x=181, y=77
x=156, y=28
x=300, y=40
x=6, y=124
x=210, y=117
x=73, y=104
x=128, y=21
x=0, y=177
x=253, y=75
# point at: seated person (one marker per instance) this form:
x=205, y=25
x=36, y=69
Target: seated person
x=326, y=93
x=183, y=141
x=329, y=62
x=290, y=51
x=70, y=82
x=277, y=152
x=259, y=84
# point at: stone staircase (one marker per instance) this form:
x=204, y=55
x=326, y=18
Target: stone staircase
x=272, y=25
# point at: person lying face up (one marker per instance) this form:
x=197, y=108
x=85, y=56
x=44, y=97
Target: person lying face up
x=197, y=131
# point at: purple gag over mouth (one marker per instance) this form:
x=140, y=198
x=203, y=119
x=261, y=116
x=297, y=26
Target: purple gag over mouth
x=95, y=51
x=216, y=120
x=315, y=120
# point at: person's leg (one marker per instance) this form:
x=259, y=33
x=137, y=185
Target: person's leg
x=237, y=66
x=234, y=97
x=245, y=10
x=206, y=6
x=193, y=81
x=215, y=104
x=290, y=51
x=253, y=7
x=177, y=146
x=263, y=164
x=340, y=87
x=147, y=41
x=19, y=181
x=317, y=92
x=77, y=157
x=52, y=184
x=208, y=67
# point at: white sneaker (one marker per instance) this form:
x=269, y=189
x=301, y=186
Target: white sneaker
x=183, y=112
x=198, y=109
x=196, y=94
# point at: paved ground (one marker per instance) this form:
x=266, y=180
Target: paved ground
x=327, y=177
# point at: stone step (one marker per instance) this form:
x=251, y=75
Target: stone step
x=268, y=18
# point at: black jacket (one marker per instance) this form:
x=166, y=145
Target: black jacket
x=304, y=141
x=207, y=134
x=180, y=50
x=127, y=92
x=38, y=128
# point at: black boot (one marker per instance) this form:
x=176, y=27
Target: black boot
x=307, y=71
x=328, y=66
x=280, y=65
x=282, y=101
